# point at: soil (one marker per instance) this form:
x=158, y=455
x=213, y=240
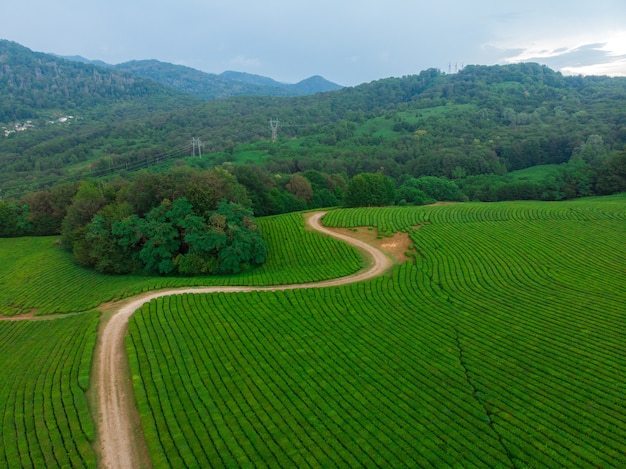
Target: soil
x=32, y=316
x=21, y=317
x=395, y=246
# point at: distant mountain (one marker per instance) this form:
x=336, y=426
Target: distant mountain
x=312, y=85
x=251, y=79
x=317, y=83
x=37, y=85
x=211, y=86
x=78, y=58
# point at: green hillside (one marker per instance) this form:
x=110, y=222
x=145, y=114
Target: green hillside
x=37, y=86
x=482, y=121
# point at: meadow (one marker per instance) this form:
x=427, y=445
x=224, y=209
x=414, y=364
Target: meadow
x=535, y=173
x=499, y=345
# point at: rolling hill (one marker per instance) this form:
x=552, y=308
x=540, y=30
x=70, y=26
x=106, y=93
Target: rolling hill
x=214, y=86
x=484, y=120
x=211, y=86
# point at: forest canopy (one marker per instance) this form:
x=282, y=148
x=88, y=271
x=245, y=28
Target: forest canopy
x=180, y=222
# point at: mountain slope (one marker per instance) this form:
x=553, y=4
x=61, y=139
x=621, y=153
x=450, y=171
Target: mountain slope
x=36, y=85
x=311, y=85
x=210, y=86
x=484, y=119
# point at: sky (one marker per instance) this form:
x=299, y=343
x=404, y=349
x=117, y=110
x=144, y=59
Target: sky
x=348, y=42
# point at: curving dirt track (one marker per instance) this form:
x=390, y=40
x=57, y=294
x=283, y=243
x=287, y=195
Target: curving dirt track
x=117, y=439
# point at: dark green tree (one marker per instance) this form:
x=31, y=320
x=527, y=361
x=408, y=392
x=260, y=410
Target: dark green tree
x=89, y=199
x=300, y=187
x=612, y=174
x=437, y=188
x=100, y=249
x=369, y=189
x=8, y=220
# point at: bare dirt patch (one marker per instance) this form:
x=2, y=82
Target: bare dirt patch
x=19, y=317
x=395, y=246
x=33, y=316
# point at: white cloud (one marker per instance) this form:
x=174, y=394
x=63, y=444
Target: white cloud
x=348, y=41
x=612, y=69
x=244, y=62
x=573, y=52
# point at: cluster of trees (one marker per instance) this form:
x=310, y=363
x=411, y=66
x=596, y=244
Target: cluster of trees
x=170, y=238
x=577, y=178
x=273, y=193
x=181, y=221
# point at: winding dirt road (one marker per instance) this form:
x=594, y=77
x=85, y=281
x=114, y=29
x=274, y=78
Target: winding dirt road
x=117, y=439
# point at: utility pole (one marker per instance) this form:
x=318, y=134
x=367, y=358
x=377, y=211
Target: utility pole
x=274, y=126
x=196, y=143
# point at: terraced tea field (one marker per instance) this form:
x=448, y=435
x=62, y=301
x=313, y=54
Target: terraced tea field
x=37, y=275
x=501, y=344
x=45, y=373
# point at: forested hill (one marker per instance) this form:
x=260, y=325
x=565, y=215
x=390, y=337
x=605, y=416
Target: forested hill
x=211, y=86
x=483, y=120
x=34, y=85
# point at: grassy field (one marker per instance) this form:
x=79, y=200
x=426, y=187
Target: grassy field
x=392, y=219
x=36, y=274
x=383, y=126
x=500, y=345
x=534, y=173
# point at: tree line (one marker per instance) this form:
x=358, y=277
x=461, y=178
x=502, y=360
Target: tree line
x=190, y=222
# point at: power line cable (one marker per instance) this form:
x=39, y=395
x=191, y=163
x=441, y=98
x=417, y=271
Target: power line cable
x=131, y=166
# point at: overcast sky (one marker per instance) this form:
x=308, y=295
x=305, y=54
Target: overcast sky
x=346, y=41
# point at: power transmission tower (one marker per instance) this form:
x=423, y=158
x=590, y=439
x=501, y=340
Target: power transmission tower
x=274, y=126
x=196, y=143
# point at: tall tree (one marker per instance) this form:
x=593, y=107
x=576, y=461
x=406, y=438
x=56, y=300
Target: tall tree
x=370, y=189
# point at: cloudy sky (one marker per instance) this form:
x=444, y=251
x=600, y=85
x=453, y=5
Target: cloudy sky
x=346, y=41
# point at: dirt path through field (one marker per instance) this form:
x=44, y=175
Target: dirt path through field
x=119, y=444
